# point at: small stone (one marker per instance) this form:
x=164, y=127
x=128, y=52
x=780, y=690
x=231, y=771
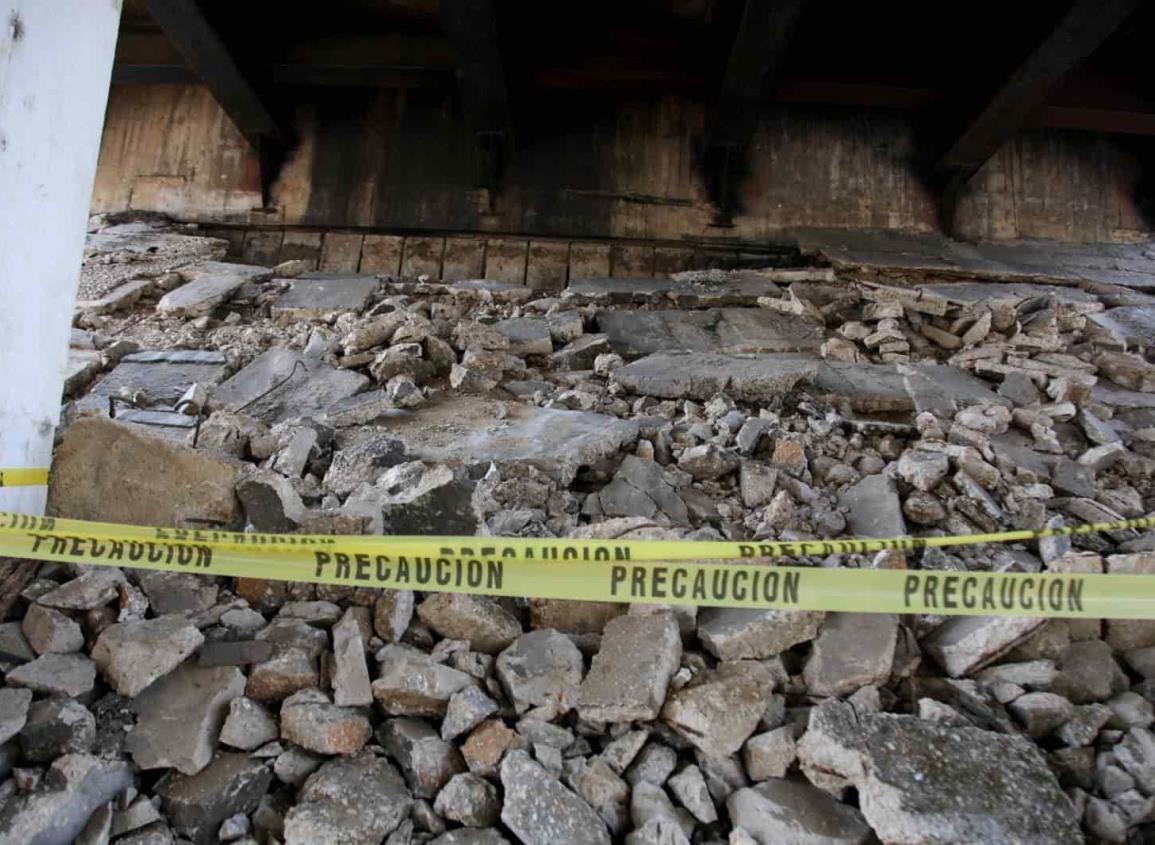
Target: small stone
x=411, y=684
x=427, y=760
x=467, y=708
x=874, y=509
x=852, y=650
x=292, y=767
x=923, y=470
x=481, y=621
x=540, y=668
x=351, y=671
x=630, y=673
x=756, y=483
x=707, y=462
x=738, y=633
x=540, y=811
x=70, y=675
x=1130, y=710
x=131, y=655
x=1084, y=726
x=770, y=754
x=50, y=630
x=313, y=722
x=622, y=751
x=73, y=788
x=177, y=592
x=1088, y=673
x=392, y=613
x=348, y=801
x=654, y=764
x=719, y=713
x=95, y=588
x=485, y=746
x=283, y=674
x=270, y=501
x=689, y=787
x=248, y=725
x=964, y=644
x=197, y=805
x=363, y=463
x=13, y=712
x=789, y=456
x=1041, y=712
x=469, y=800
x=56, y=726
x=605, y=791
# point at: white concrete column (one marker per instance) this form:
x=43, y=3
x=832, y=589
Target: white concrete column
x=55, y=67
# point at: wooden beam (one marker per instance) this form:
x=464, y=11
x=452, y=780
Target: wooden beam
x=1085, y=26
x=759, y=49
x=206, y=53
x=471, y=27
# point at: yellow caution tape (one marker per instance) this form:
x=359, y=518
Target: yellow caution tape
x=657, y=571
x=23, y=477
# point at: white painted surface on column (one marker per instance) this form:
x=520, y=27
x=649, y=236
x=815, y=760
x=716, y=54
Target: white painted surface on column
x=55, y=66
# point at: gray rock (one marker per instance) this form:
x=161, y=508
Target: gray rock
x=311, y=721
x=756, y=482
x=540, y=811
x=707, y=461
x=56, y=726
x=689, y=787
x=349, y=801
x=478, y=620
x=874, y=508
x=469, y=800
x=350, y=669
x=1041, y=712
x=427, y=760
x=412, y=684
x=141, y=813
x=1130, y=710
x=14, y=647
x=650, y=806
x=73, y=788
x=177, y=592
x=780, y=811
x=50, y=630
x=737, y=633
x=622, y=751
x=207, y=285
x=13, y=712
x=580, y=354
x=412, y=499
x=1136, y=754
x=196, y=805
x=131, y=655
x=629, y=675
x=719, y=712
x=922, y=469
x=180, y=717
x=282, y=384
x=469, y=836
x=248, y=725
x=55, y=674
x=527, y=335
x=293, y=766
x=363, y=462
x=640, y=488
x=467, y=709
x=392, y=613
x=96, y=587
x=1088, y=673
x=270, y=501
x=769, y=755
x=164, y=376
x=290, y=669
x=964, y=644
x=654, y=765
x=541, y=668
x=852, y=650
x=1084, y=726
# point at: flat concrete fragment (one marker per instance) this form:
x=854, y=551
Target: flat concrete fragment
x=131, y=655
x=479, y=620
x=1130, y=326
x=180, y=717
x=719, y=712
x=541, y=668
x=740, y=288
x=964, y=644
x=155, y=482
x=55, y=674
x=629, y=675
x=350, y=670
x=282, y=384
x=874, y=508
x=354, y=801
x=412, y=684
x=866, y=388
x=540, y=811
x=634, y=334
x=527, y=335
x=208, y=285
x=197, y=805
x=163, y=376
x=701, y=375
x=313, y=295
x=943, y=389
x=732, y=633
x=852, y=650
x=469, y=430
x=73, y=788
x=13, y=712
x=779, y=811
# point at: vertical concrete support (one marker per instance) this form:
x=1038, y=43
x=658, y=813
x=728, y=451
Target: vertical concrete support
x=55, y=66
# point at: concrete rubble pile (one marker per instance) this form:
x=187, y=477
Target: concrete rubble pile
x=143, y=707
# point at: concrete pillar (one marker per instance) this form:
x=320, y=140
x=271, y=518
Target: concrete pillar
x=55, y=67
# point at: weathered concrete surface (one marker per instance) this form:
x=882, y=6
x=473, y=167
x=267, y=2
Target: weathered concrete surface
x=164, y=376
x=634, y=334
x=738, y=288
x=207, y=286
x=281, y=384
x=701, y=375
x=313, y=295
x=468, y=430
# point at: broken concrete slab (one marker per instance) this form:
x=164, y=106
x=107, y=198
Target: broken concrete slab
x=55, y=674
x=527, y=335
x=540, y=811
x=873, y=508
x=778, y=811
x=313, y=296
x=353, y=801
x=629, y=675
x=163, y=376
x=852, y=650
x=634, y=334
x=480, y=621
x=208, y=285
x=72, y=789
x=131, y=655
x=700, y=289
x=311, y=721
x=731, y=633
x=282, y=384
x=427, y=761
x=719, y=711
x=198, y=804
x=965, y=644
x=701, y=375
x=476, y=432
x=412, y=684
x=180, y=717
x=541, y=668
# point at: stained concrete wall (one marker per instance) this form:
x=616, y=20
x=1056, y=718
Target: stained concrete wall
x=591, y=167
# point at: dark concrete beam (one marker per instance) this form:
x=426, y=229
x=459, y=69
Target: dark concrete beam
x=759, y=50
